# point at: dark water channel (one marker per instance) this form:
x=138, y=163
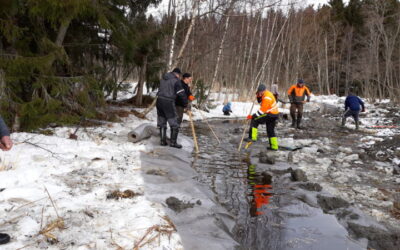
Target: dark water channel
x=269, y=210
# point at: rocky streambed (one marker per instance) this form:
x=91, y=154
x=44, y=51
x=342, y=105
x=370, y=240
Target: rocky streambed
x=330, y=193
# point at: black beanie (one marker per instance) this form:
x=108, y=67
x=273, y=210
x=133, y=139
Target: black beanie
x=261, y=87
x=177, y=70
x=186, y=75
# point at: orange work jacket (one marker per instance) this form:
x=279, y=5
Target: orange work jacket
x=268, y=104
x=297, y=94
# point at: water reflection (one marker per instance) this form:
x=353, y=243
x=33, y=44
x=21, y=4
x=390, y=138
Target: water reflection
x=260, y=187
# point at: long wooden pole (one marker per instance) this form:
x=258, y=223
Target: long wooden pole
x=212, y=130
x=244, y=128
x=196, y=146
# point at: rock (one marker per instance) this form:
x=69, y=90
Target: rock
x=377, y=238
x=311, y=186
x=178, y=205
x=299, y=175
x=396, y=201
x=347, y=213
x=329, y=203
x=266, y=158
x=266, y=178
x=345, y=150
x=396, y=170
x=156, y=172
x=352, y=157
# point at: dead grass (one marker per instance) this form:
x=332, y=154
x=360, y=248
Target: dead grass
x=47, y=231
x=124, y=195
x=5, y=165
x=155, y=232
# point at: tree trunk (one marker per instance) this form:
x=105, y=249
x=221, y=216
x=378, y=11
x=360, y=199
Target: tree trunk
x=185, y=41
x=142, y=78
x=173, y=37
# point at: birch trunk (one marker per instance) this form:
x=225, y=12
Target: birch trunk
x=173, y=37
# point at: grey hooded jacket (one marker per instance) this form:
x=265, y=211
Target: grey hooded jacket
x=171, y=88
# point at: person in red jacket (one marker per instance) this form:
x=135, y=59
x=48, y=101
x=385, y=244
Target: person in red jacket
x=267, y=114
x=297, y=95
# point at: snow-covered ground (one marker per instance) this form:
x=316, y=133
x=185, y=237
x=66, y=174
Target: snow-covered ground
x=44, y=179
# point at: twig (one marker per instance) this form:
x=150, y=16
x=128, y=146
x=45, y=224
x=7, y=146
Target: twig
x=9, y=221
x=29, y=203
x=149, y=230
x=52, y=202
x=115, y=243
x=26, y=246
x=153, y=104
x=51, y=152
x=41, y=220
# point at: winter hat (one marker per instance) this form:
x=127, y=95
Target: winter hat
x=261, y=88
x=177, y=70
x=186, y=75
x=300, y=81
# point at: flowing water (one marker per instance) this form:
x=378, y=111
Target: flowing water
x=268, y=208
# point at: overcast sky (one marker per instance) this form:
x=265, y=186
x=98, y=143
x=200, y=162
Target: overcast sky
x=163, y=6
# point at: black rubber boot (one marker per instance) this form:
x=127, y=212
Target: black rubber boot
x=299, y=124
x=293, y=123
x=357, y=125
x=163, y=136
x=343, y=122
x=4, y=238
x=174, y=138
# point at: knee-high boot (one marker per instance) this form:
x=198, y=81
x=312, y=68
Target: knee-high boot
x=174, y=138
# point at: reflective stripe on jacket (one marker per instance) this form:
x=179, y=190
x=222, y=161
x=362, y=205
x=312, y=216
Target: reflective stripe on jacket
x=268, y=104
x=297, y=94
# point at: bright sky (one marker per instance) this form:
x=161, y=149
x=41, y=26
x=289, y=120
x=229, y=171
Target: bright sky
x=163, y=6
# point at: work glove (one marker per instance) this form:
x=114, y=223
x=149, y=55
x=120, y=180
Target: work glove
x=363, y=110
x=191, y=98
x=249, y=117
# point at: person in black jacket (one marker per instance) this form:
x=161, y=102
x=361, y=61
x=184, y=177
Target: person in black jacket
x=181, y=101
x=170, y=89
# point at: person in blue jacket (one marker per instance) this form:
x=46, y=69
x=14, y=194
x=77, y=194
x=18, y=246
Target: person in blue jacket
x=352, y=105
x=5, y=145
x=227, y=109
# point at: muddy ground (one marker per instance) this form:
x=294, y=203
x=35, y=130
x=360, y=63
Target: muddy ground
x=351, y=175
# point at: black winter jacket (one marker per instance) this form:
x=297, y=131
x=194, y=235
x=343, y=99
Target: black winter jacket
x=183, y=101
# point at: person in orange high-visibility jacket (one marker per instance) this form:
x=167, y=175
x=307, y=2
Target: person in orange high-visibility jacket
x=297, y=95
x=268, y=114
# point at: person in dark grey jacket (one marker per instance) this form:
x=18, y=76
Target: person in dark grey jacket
x=170, y=89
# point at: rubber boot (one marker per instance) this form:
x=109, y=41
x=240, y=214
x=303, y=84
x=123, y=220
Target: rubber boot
x=4, y=238
x=163, y=136
x=174, y=138
x=343, y=121
x=273, y=142
x=293, y=122
x=357, y=125
x=254, y=134
x=299, y=124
